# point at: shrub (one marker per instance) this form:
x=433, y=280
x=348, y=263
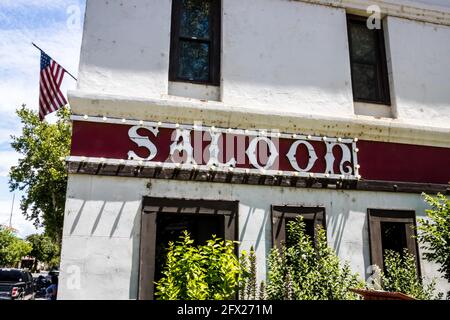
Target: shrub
x=203, y=272
x=303, y=271
x=401, y=276
x=249, y=289
x=434, y=233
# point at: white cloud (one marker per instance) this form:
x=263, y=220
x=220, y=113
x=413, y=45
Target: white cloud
x=19, y=74
x=34, y=3
x=20, y=69
x=19, y=222
x=7, y=160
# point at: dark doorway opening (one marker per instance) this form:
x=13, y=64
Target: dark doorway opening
x=393, y=236
x=170, y=227
x=392, y=230
x=282, y=215
x=164, y=220
x=310, y=230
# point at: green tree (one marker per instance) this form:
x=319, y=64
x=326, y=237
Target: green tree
x=41, y=172
x=401, y=276
x=12, y=248
x=434, y=233
x=304, y=271
x=43, y=249
x=203, y=272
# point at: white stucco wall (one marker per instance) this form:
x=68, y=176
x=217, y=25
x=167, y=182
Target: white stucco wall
x=420, y=71
x=102, y=227
x=285, y=65
x=125, y=48
x=279, y=56
x=286, y=55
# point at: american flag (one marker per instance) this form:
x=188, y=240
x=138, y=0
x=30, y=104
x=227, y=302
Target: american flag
x=50, y=98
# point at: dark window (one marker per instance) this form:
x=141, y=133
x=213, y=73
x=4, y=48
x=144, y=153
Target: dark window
x=163, y=220
x=393, y=236
x=195, y=43
x=169, y=227
x=282, y=215
x=368, y=62
x=391, y=230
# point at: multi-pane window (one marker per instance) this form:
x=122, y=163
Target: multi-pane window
x=164, y=220
x=368, y=62
x=195, y=41
x=391, y=230
x=282, y=215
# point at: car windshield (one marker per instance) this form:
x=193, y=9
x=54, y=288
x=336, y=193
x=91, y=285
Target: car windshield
x=10, y=276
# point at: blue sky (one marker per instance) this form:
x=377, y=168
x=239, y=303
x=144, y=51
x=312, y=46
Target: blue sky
x=55, y=26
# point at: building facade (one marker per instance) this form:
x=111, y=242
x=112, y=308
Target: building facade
x=232, y=117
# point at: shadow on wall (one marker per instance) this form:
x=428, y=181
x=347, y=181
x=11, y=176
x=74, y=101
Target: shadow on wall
x=336, y=226
x=134, y=235
x=262, y=230
x=366, y=253
x=77, y=218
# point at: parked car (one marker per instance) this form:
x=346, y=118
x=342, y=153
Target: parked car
x=41, y=283
x=16, y=284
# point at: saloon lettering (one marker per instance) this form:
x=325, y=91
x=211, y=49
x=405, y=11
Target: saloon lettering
x=227, y=149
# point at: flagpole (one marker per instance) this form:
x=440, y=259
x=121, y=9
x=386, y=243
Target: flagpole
x=61, y=67
x=12, y=210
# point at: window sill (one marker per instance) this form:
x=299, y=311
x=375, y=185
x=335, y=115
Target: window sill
x=373, y=110
x=195, y=91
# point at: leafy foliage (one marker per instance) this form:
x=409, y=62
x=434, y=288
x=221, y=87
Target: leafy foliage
x=303, y=271
x=401, y=276
x=249, y=287
x=41, y=172
x=204, y=272
x=12, y=248
x=434, y=233
x=43, y=249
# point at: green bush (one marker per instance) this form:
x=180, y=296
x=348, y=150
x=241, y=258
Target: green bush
x=434, y=233
x=249, y=288
x=303, y=271
x=200, y=272
x=401, y=276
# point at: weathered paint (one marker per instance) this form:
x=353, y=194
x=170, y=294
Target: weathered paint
x=285, y=66
x=378, y=160
x=102, y=226
x=297, y=66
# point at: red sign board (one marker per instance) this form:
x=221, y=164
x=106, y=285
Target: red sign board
x=263, y=151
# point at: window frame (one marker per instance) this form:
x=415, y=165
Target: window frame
x=378, y=216
x=382, y=67
x=152, y=206
x=279, y=214
x=215, y=20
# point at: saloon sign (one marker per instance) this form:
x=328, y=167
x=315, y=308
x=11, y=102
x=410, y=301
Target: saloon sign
x=211, y=148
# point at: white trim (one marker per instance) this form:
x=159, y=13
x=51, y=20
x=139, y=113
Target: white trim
x=395, y=8
x=373, y=110
x=245, y=132
x=194, y=91
x=222, y=115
